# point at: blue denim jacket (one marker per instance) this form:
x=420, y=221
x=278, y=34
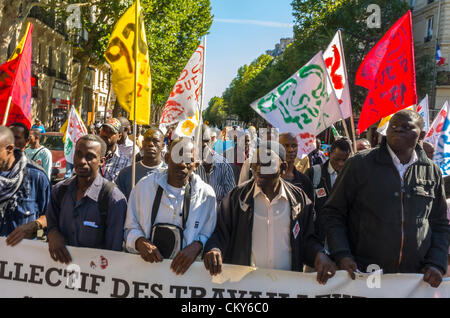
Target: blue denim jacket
x=34, y=195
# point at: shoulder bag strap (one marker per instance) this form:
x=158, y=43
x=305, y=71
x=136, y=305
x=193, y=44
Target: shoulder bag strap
x=156, y=204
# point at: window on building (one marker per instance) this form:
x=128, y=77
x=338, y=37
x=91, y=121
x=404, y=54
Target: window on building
x=412, y=3
x=62, y=63
x=430, y=1
x=429, y=34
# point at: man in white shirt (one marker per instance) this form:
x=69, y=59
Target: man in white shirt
x=267, y=223
x=195, y=217
x=38, y=153
x=126, y=144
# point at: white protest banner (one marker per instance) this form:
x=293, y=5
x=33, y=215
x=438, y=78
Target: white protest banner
x=442, y=153
x=334, y=60
x=75, y=130
x=302, y=104
x=423, y=110
x=27, y=270
x=184, y=99
x=436, y=127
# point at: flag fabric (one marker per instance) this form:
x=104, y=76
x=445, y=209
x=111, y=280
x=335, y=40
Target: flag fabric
x=439, y=59
x=120, y=56
x=15, y=82
x=186, y=128
x=185, y=99
x=436, y=127
x=75, y=130
x=388, y=72
x=423, y=110
x=335, y=61
x=442, y=149
x=302, y=104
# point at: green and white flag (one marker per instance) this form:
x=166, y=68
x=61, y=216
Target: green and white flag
x=75, y=130
x=303, y=104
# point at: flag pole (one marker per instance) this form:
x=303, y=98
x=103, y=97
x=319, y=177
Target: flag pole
x=5, y=119
x=200, y=115
x=352, y=121
x=136, y=47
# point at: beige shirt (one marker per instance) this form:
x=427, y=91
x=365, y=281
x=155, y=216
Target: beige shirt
x=271, y=246
x=401, y=167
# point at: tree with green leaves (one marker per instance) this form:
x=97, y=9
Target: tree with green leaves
x=216, y=113
x=316, y=23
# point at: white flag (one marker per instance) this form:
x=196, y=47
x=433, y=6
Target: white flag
x=185, y=98
x=335, y=61
x=384, y=123
x=75, y=130
x=422, y=109
x=442, y=153
x=436, y=128
x=302, y=104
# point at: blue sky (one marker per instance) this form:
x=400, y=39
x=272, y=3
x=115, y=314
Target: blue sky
x=241, y=31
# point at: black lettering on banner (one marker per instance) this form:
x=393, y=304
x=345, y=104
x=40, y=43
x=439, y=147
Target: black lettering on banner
x=117, y=282
x=35, y=274
x=272, y=295
x=178, y=290
x=48, y=276
x=218, y=292
x=233, y=292
x=95, y=284
x=197, y=292
x=156, y=288
x=84, y=277
x=141, y=43
x=137, y=289
x=18, y=270
x=255, y=294
x=123, y=52
x=283, y=295
x=74, y=275
x=2, y=271
x=302, y=296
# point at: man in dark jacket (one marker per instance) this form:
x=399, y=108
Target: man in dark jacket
x=267, y=222
x=388, y=207
x=324, y=176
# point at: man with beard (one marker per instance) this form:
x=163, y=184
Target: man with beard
x=388, y=207
x=85, y=210
x=115, y=160
x=153, y=144
x=171, y=213
x=24, y=192
x=267, y=223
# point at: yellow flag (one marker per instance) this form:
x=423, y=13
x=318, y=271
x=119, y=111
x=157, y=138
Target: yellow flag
x=19, y=47
x=120, y=55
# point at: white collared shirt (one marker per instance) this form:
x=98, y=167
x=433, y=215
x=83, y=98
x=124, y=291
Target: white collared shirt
x=127, y=148
x=333, y=174
x=401, y=167
x=271, y=247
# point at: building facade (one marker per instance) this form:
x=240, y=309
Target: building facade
x=103, y=98
x=431, y=25
x=51, y=67
x=280, y=47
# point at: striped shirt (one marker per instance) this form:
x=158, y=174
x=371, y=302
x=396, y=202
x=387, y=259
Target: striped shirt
x=114, y=163
x=221, y=177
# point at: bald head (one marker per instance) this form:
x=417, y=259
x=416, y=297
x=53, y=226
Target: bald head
x=429, y=149
x=6, y=136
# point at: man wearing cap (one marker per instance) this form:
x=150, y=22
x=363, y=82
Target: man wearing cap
x=111, y=132
x=267, y=223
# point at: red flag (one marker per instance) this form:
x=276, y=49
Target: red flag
x=15, y=81
x=388, y=71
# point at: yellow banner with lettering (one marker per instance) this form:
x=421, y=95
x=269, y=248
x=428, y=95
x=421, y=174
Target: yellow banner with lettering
x=120, y=55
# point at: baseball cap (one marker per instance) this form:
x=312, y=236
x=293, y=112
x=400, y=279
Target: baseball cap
x=114, y=124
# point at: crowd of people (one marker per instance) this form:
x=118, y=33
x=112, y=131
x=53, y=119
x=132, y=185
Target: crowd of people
x=253, y=203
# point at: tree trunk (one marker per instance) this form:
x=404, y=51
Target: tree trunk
x=80, y=83
x=9, y=14
x=117, y=111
